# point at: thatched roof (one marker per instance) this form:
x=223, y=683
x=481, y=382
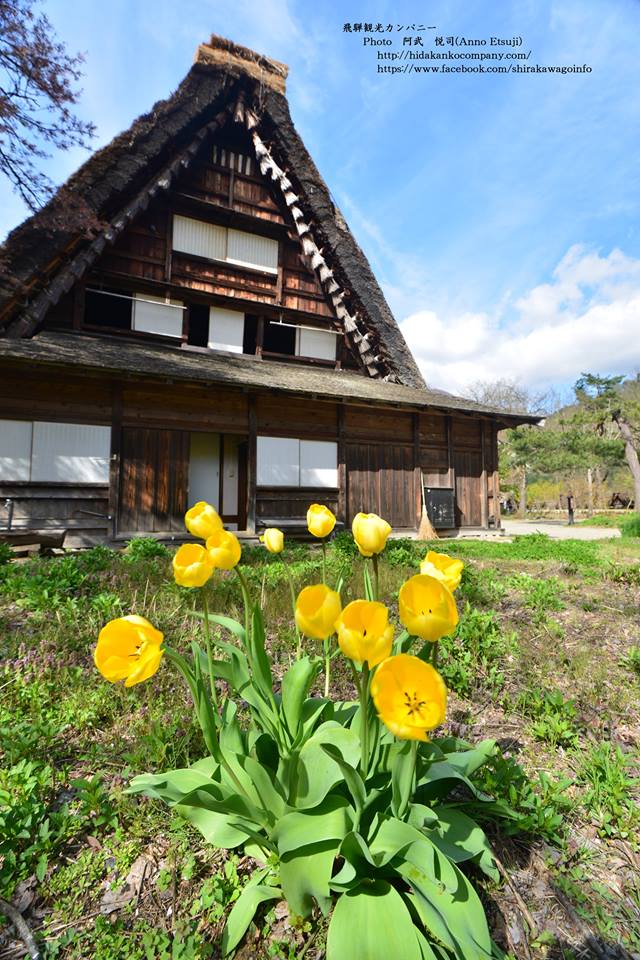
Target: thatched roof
x=44, y=256
x=103, y=354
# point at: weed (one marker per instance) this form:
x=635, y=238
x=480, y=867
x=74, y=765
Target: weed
x=539, y=594
x=631, y=660
x=145, y=548
x=627, y=574
x=6, y=553
x=474, y=654
x=608, y=797
x=527, y=807
x=554, y=718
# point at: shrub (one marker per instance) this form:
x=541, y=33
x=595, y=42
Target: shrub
x=145, y=548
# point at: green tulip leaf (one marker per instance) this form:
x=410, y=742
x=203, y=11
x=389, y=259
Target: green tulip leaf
x=305, y=876
x=260, y=663
x=214, y=827
x=455, y=918
x=316, y=771
x=372, y=921
x=171, y=786
x=369, y=593
x=460, y=838
x=227, y=622
x=402, y=773
x=351, y=776
x=470, y=760
x=331, y=820
x=244, y=910
x=296, y=684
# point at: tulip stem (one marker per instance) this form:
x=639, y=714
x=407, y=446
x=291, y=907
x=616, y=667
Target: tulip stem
x=414, y=764
x=434, y=654
x=247, y=606
x=324, y=561
x=292, y=591
x=327, y=666
x=207, y=634
x=364, y=719
x=376, y=576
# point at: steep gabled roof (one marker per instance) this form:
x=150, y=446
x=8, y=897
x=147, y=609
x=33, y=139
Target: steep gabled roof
x=49, y=252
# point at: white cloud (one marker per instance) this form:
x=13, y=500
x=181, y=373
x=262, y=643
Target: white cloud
x=586, y=318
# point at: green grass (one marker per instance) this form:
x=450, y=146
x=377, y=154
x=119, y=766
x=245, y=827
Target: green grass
x=69, y=742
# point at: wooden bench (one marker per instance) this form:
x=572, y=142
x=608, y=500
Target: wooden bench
x=45, y=540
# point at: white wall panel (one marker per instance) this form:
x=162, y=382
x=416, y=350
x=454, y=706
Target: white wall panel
x=204, y=468
x=252, y=250
x=157, y=316
x=316, y=343
x=199, y=238
x=278, y=462
x=230, y=476
x=318, y=463
x=226, y=329
x=15, y=449
x=70, y=453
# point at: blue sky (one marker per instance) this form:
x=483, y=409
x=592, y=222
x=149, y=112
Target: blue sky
x=499, y=212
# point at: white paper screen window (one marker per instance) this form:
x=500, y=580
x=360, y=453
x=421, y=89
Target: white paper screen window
x=15, y=449
x=318, y=463
x=226, y=329
x=154, y=315
x=278, y=462
x=316, y=343
x=204, y=468
x=70, y=453
x=252, y=250
x=199, y=238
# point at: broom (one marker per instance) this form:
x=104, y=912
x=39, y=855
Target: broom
x=426, y=530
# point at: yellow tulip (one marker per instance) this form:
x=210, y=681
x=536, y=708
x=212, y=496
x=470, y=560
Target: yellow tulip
x=427, y=607
x=192, y=566
x=444, y=568
x=364, y=632
x=202, y=520
x=370, y=533
x=223, y=548
x=410, y=696
x=128, y=649
x=317, y=609
x=273, y=540
x=320, y=520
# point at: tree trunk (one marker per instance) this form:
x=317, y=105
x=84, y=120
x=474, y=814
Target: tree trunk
x=589, y=492
x=631, y=456
x=523, y=493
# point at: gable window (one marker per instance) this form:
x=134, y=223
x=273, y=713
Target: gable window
x=144, y=312
x=226, y=330
x=213, y=242
x=299, y=341
x=157, y=315
x=286, y=462
x=43, y=452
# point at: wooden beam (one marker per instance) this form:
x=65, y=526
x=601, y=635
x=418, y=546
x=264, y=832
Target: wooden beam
x=342, y=467
x=417, y=469
x=252, y=466
x=496, y=475
x=78, y=304
x=115, y=457
x=484, y=486
x=168, y=239
x=452, y=478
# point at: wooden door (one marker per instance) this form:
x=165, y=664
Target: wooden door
x=381, y=479
x=154, y=471
x=468, y=472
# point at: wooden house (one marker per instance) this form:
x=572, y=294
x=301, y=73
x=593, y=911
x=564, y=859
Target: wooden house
x=191, y=318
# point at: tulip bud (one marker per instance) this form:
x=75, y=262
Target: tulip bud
x=370, y=533
x=191, y=566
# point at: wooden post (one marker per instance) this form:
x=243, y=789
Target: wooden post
x=168, y=247
x=496, y=475
x=417, y=469
x=252, y=466
x=78, y=305
x=280, y=277
x=342, y=468
x=484, y=485
x=259, y=336
x=114, y=459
